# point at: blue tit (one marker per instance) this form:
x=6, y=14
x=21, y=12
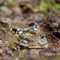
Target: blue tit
x=14, y=30
x=24, y=37
x=36, y=27
x=42, y=40
x=33, y=29
x=32, y=32
x=19, y=31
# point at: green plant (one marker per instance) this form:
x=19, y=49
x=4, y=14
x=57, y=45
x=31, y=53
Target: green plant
x=1, y=1
x=12, y=44
x=44, y=7
x=13, y=2
x=5, y=9
x=57, y=6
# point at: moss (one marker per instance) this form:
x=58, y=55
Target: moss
x=1, y=1
x=12, y=44
x=44, y=7
x=5, y=9
x=20, y=25
x=58, y=58
x=22, y=55
x=13, y=2
x=57, y=6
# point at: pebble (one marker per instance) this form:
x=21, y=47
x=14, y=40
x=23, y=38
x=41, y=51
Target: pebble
x=16, y=58
x=1, y=42
x=48, y=54
x=1, y=52
x=8, y=51
x=0, y=38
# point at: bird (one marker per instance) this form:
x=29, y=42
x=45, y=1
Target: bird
x=33, y=30
x=42, y=41
x=21, y=34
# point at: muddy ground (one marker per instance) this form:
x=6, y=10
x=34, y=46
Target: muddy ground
x=26, y=20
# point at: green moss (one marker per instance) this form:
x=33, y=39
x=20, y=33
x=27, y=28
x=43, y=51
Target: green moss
x=57, y=6
x=22, y=55
x=44, y=7
x=58, y=58
x=19, y=25
x=1, y=1
x=29, y=5
x=51, y=1
x=13, y=2
x=5, y=9
x=12, y=44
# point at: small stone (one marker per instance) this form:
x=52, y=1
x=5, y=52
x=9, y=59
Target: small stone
x=0, y=41
x=13, y=2
x=6, y=42
x=55, y=24
x=8, y=51
x=1, y=52
x=16, y=58
x=0, y=38
x=46, y=46
x=17, y=10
